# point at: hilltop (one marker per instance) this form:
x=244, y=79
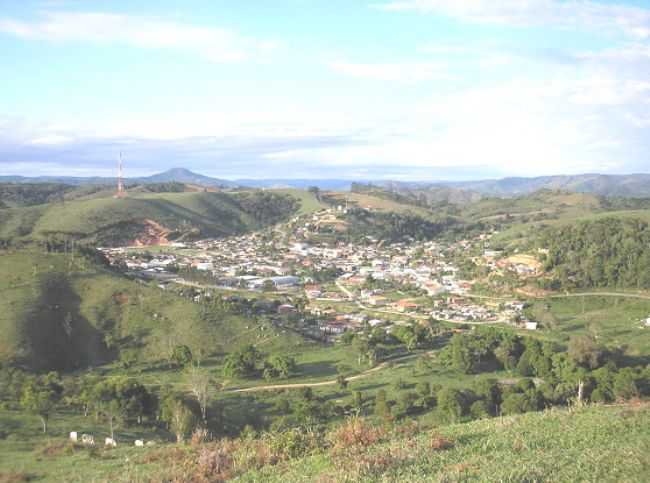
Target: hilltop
x=144, y=217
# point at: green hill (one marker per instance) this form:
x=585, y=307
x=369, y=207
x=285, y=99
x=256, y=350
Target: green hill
x=590, y=444
x=57, y=313
x=595, y=443
x=106, y=220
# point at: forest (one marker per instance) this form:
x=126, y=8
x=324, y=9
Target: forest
x=609, y=252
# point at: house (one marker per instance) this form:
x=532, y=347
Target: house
x=405, y=305
x=285, y=281
x=530, y=325
x=313, y=291
x=376, y=300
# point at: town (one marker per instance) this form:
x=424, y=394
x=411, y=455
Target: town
x=345, y=285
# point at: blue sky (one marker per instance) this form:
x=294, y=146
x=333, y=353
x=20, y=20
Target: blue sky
x=401, y=89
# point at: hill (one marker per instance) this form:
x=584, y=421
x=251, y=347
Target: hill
x=632, y=185
x=555, y=445
x=182, y=175
x=62, y=313
x=594, y=443
x=144, y=217
x=178, y=175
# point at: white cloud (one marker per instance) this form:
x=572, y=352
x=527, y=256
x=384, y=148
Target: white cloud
x=214, y=44
x=405, y=72
x=576, y=14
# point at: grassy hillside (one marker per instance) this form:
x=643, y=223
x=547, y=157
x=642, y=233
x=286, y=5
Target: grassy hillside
x=107, y=220
x=592, y=444
x=60, y=314
x=595, y=443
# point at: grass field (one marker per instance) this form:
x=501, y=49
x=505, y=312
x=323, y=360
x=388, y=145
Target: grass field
x=614, y=321
x=308, y=202
x=591, y=444
x=594, y=443
x=108, y=314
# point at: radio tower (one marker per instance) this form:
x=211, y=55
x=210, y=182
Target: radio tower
x=121, y=193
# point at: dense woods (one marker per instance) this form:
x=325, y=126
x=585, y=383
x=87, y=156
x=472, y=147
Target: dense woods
x=395, y=227
x=267, y=208
x=611, y=252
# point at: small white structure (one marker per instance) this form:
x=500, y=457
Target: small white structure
x=647, y=322
x=531, y=325
x=110, y=442
x=139, y=442
x=73, y=436
x=88, y=439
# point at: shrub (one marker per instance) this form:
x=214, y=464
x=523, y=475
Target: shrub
x=355, y=433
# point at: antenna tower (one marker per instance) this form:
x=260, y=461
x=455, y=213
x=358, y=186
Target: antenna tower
x=121, y=193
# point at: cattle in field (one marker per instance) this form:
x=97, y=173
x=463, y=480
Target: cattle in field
x=110, y=442
x=88, y=439
x=139, y=442
x=73, y=436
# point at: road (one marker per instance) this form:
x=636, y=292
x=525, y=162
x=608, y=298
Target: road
x=366, y=373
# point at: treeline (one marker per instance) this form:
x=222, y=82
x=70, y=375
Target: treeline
x=610, y=252
x=118, y=402
x=584, y=372
x=395, y=227
x=31, y=194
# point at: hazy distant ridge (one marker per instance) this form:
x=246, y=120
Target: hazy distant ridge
x=629, y=185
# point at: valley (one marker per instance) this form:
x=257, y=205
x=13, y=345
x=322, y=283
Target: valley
x=299, y=310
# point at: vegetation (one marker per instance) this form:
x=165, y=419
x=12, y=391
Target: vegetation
x=610, y=252
x=110, y=221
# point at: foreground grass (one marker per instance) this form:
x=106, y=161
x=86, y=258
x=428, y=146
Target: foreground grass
x=591, y=444
x=596, y=443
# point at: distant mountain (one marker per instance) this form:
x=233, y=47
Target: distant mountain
x=630, y=186
x=182, y=175
x=178, y=175
x=324, y=184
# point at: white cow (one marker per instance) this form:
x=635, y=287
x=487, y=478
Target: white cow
x=139, y=442
x=88, y=439
x=73, y=436
x=110, y=442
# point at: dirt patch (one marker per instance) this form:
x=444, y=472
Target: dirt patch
x=152, y=233
x=121, y=298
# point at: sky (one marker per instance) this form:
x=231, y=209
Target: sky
x=354, y=89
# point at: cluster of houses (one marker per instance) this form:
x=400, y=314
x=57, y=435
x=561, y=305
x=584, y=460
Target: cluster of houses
x=283, y=261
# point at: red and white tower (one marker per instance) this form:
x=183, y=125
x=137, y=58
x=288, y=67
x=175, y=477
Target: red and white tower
x=121, y=192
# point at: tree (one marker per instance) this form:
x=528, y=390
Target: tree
x=585, y=352
x=182, y=355
x=357, y=400
x=279, y=366
x=242, y=363
x=625, y=384
x=198, y=381
x=41, y=395
x=490, y=392
x=382, y=409
x=341, y=381
x=315, y=190
x=179, y=417
x=479, y=409
x=451, y=403
x=406, y=402
x=517, y=403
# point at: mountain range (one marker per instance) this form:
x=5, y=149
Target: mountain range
x=629, y=185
